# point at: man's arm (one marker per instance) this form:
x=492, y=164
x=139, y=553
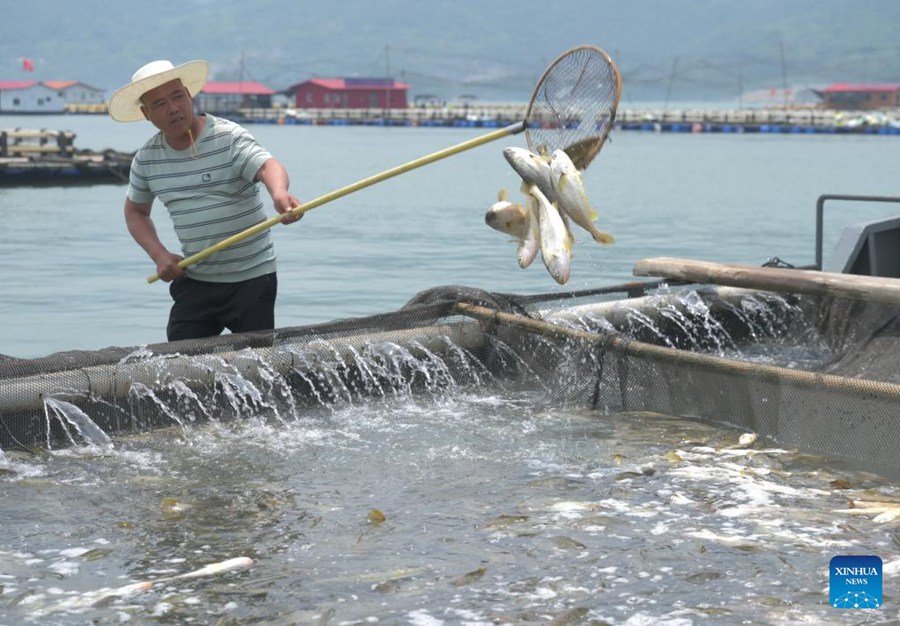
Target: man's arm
x=142, y=229
x=273, y=175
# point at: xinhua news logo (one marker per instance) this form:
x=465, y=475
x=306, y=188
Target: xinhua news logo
x=855, y=582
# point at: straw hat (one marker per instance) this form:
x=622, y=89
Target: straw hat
x=125, y=103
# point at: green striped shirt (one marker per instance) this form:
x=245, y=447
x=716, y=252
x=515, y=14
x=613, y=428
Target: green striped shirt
x=211, y=194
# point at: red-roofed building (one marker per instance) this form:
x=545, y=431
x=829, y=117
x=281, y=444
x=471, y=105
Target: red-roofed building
x=860, y=96
x=29, y=96
x=76, y=93
x=350, y=93
x=226, y=97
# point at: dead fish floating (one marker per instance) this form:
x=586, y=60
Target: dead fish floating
x=238, y=563
x=100, y=597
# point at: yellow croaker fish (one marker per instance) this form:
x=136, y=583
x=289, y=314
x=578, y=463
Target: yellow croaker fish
x=533, y=169
x=241, y=562
x=571, y=197
x=96, y=598
x=531, y=244
x=507, y=217
x=519, y=222
x=90, y=599
x=556, y=240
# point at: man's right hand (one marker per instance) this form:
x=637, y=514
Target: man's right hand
x=168, y=269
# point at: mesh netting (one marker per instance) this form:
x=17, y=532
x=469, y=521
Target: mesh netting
x=804, y=373
x=847, y=417
x=573, y=106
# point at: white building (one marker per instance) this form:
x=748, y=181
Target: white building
x=74, y=93
x=29, y=96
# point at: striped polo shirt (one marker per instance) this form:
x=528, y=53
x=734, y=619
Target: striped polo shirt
x=211, y=193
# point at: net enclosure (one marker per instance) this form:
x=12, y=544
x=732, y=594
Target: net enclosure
x=806, y=372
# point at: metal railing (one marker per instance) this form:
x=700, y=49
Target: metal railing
x=820, y=214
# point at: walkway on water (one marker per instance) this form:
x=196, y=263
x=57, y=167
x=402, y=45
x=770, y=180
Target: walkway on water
x=796, y=120
x=498, y=115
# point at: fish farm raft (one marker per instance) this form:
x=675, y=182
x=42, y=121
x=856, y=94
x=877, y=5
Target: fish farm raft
x=780, y=120
x=49, y=157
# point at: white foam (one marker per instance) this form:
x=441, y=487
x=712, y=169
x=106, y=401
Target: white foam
x=420, y=617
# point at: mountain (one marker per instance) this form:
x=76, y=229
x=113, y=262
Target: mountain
x=490, y=49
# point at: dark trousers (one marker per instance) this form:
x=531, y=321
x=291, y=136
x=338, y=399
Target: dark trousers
x=205, y=309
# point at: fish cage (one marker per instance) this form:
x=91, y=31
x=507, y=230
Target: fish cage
x=809, y=372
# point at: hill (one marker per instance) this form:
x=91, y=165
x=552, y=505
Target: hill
x=491, y=49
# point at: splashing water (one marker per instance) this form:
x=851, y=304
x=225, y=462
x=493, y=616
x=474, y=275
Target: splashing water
x=67, y=414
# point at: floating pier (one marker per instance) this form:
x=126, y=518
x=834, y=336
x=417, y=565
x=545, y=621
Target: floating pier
x=781, y=120
x=795, y=119
x=34, y=157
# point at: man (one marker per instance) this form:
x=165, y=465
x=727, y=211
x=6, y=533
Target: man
x=205, y=171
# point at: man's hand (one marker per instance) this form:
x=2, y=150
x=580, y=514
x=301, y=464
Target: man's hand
x=275, y=178
x=284, y=202
x=167, y=267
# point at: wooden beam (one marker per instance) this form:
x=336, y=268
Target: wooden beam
x=35, y=147
x=852, y=286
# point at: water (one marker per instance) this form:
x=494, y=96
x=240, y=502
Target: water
x=494, y=513
x=498, y=509
x=74, y=279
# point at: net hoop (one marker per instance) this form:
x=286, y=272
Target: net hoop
x=573, y=106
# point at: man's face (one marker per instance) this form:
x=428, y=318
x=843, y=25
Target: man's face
x=169, y=107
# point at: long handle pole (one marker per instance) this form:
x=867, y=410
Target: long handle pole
x=512, y=129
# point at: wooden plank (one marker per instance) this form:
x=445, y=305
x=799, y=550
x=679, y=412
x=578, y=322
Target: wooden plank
x=33, y=147
x=19, y=133
x=47, y=135
x=866, y=288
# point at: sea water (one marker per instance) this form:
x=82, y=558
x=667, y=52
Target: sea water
x=72, y=277
x=474, y=505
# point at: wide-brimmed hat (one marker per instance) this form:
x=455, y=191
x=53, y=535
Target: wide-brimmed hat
x=125, y=103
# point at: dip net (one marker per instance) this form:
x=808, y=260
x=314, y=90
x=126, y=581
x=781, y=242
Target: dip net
x=573, y=107
x=808, y=373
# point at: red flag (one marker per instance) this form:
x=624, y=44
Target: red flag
x=28, y=65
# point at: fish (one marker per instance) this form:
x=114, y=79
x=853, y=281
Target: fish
x=887, y=517
x=873, y=504
x=530, y=245
x=96, y=598
x=100, y=597
x=507, y=217
x=505, y=520
x=519, y=222
x=532, y=168
x=571, y=196
x=470, y=577
x=241, y=562
x=378, y=577
x=556, y=239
